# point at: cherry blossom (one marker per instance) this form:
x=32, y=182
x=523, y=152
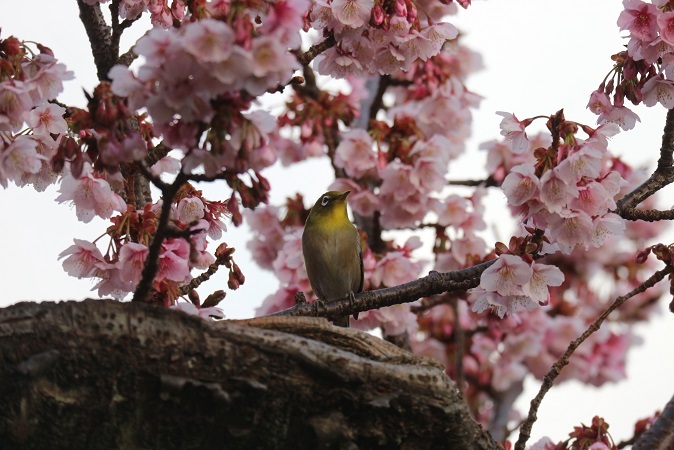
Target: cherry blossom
x=92, y=196
x=81, y=258
x=47, y=119
x=131, y=260
x=640, y=19
x=355, y=154
x=506, y=276
x=514, y=132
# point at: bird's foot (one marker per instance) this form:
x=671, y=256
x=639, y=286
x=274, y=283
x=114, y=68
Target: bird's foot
x=352, y=300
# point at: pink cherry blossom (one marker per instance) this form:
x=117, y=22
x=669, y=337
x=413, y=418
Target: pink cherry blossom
x=209, y=40
x=593, y=198
x=640, y=19
x=14, y=102
x=92, y=196
x=469, y=245
x=18, y=158
x=131, y=261
x=47, y=119
x=570, y=229
x=666, y=23
x=110, y=284
x=599, y=102
x=174, y=261
x=556, y=192
x=282, y=299
x=620, y=115
x=113, y=152
x=45, y=77
x=521, y=184
x=190, y=209
x=543, y=275
x=289, y=263
x=452, y=211
x=352, y=13
x=82, y=258
x=606, y=225
x=355, y=154
x=506, y=276
x=393, y=320
x=659, y=90
x=586, y=162
x=269, y=235
x=204, y=313
x=544, y=443
x=395, y=268
x=514, y=132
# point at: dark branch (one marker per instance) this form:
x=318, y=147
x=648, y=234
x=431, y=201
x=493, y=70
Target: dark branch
x=152, y=261
x=525, y=431
x=159, y=184
x=315, y=50
x=660, y=436
x=432, y=284
x=663, y=175
x=203, y=177
x=205, y=276
x=378, y=101
x=100, y=38
x=647, y=215
x=488, y=182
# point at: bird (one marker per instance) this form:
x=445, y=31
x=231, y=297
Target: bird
x=332, y=252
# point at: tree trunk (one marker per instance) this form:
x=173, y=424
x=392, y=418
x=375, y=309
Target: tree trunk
x=104, y=374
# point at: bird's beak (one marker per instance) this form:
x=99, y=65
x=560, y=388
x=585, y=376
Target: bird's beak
x=343, y=195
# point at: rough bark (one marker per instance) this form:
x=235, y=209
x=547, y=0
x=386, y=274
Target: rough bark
x=103, y=374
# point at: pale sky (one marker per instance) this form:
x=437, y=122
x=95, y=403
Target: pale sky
x=539, y=56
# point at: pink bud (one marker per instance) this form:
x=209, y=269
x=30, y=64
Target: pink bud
x=401, y=8
x=377, y=15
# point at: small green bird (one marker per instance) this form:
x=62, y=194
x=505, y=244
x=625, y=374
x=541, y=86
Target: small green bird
x=331, y=249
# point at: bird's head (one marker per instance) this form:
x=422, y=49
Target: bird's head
x=329, y=210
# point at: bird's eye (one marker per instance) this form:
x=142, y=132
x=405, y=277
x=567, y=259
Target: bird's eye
x=325, y=200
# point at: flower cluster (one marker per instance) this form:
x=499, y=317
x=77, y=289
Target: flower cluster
x=193, y=219
x=593, y=437
x=570, y=189
x=189, y=70
x=512, y=283
x=644, y=73
x=28, y=81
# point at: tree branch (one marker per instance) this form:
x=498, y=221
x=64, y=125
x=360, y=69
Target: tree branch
x=660, y=436
x=663, y=175
x=151, y=266
x=488, y=182
x=315, y=50
x=525, y=431
x=100, y=37
x=433, y=283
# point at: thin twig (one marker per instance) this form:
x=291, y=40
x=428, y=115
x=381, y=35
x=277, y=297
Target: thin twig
x=205, y=276
x=525, y=431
